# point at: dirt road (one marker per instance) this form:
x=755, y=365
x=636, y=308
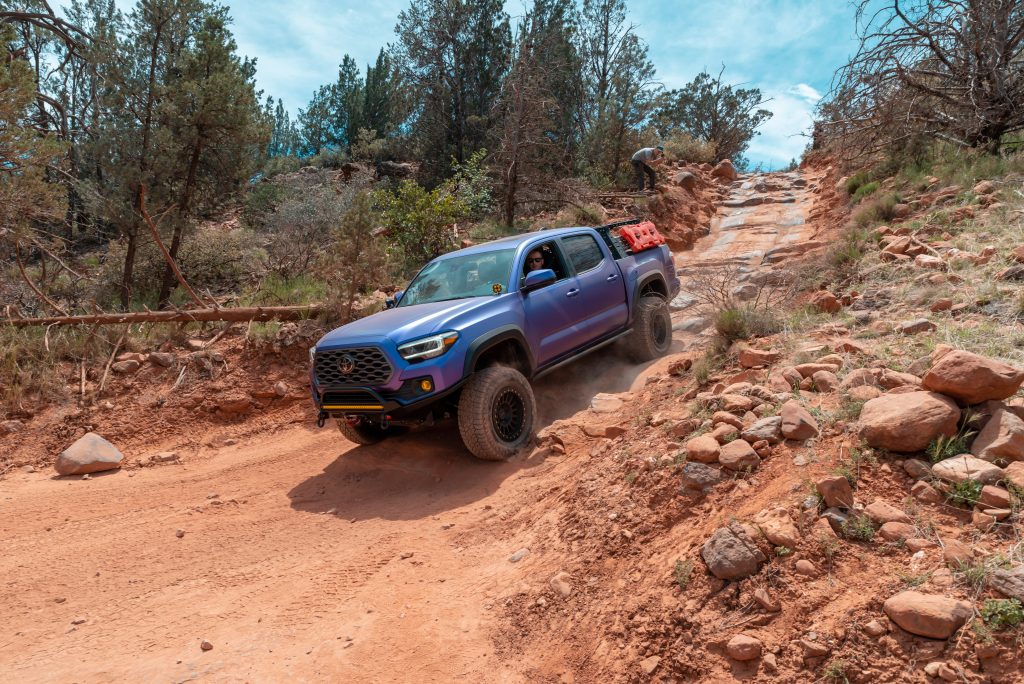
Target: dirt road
x=301, y=557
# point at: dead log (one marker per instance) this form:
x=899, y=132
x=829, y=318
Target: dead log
x=236, y=315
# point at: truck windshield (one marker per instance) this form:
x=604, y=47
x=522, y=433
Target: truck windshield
x=474, y=275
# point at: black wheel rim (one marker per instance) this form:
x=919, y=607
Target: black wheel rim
x=508, y=415
x=660, y=332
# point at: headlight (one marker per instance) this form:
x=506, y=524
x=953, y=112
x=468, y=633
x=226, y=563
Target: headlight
x=428, y=347
x=312, y=354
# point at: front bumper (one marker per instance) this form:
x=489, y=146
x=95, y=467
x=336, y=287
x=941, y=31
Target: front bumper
x=402, y=395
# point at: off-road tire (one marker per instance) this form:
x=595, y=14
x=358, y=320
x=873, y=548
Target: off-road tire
x=361, y=433
x=497, y=412
x=652, y=330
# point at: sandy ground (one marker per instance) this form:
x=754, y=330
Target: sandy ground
x=303, y=558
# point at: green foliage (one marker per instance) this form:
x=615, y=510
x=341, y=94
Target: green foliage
x=631, y=476
x=275, y=166
x=835, y=672
x=471, y=185
x=420, y=221
x=858, y=527
x=261, y=201
x=943, y=447
x=708, y=109
x=865, y=190
x=913, y=580
x=682, y=571
x=742, y=322
x=965, y=493
x=875, y=211
x=1002, y=613
x=854, y=182
x=974, y=575
x=783, y=551
x=681, y=146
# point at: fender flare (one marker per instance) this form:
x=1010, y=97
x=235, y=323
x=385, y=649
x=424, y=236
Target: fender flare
x=480, y=345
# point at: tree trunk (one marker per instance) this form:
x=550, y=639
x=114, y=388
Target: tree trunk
x=129, y=267
x=170, y=278
x=511, y=188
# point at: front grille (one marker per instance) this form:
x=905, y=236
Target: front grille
x=365, y=366
x=350, y=400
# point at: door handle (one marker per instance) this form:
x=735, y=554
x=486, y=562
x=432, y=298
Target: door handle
x=613, y=276
x=572, y=293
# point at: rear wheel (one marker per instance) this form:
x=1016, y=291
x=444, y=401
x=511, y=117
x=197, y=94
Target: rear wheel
x=496, y=413
x=361, y=431
x=652, y=330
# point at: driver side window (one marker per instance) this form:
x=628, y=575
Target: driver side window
x=548, y=257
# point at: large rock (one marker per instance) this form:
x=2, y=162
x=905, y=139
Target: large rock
x=685, y=179
x=971, y=378
x=725, y=169
x=768, y=429
x=881, y=512
x=1002, y=438
x=743, y=647
x=928, y=615
x=1009, y=583
x=731, y=554
x=698, y=478
x=703, y=449
x=825, y=302
x=860, y=377
x=907, y=422
x=90, y=454
x=1014, y=474
x=738, y=455
x=835, y=491
x=778, y=528
x=967, y=467
x=797, y=423
x=754, y=358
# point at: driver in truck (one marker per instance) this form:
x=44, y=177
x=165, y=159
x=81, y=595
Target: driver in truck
x=534, y=261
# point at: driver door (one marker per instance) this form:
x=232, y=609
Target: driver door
x=548, y=313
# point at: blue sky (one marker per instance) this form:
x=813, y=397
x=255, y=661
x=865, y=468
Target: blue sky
x=787, y=48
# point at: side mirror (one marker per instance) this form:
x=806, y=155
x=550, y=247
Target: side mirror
x=535, y=280
x=392, y=303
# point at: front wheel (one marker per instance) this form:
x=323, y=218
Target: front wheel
x=652, y=330
x=361, y=431
x=496, y=413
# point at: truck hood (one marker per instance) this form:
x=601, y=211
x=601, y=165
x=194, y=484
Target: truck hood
x=405, y=323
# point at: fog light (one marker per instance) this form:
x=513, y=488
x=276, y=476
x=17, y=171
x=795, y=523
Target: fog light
x=426, y=385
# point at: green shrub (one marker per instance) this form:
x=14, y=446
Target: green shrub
x=420, y=221
x=681, y=146
x=964, y=493
x=875, y=211
x=682, y=572
x=260, y=202
x=943, y=447
x=1002, y=613
x=854, y=182
x=858, y=527
x=278, y=165
x=865, y=190
x=472, y=186
x=742, y=322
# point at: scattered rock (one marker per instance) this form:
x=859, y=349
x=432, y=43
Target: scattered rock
x=806, y=568
x=727, y=418
x=163, y=359
x=126, y=367
x=768, y=429
x=875, y=629
x=956, y=553
x=932, y=262
x=179, y=533
x=971, y=378
x=281, y=388
x=9, y=427
x=1008, y=582
x=755, y=358
x=742, y=647
x=985, y=187
x=925, y=493
x=835, y=491
x=650, y=664
x=234, y=404
x=881, y=512
x=738, y=455
x=896, y=531
x=825, y=301
x=731, y=554
x=864, y=394
x=797, y=423
x=764, y=599
x=1002, y=438
x=916, y=326
x=813, y=649
x=90, y=454
x=994, y=497
x=519, y=555
x=908, y=422
x=206, y=645
x=703, y=449
x=916, y=468
x=1014, y=474
x=778, y=528
x=890, y=379
x=725, y=169
x=560, y=584
x=825, y=381
x=965, y=467
x=927, y=615
x=860, y=377
x=606, y=403
x=699, y=477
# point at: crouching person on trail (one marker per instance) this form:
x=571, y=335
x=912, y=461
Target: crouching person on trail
x=642, y=160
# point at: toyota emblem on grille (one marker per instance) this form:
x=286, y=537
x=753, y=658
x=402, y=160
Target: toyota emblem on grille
x=346, y=365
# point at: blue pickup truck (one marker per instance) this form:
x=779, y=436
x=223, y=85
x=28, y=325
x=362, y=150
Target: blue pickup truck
x=476, y=325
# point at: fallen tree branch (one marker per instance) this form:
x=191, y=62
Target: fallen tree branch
x=110, y=361
x=238, y=315
x=163, y=250
x=28, y=281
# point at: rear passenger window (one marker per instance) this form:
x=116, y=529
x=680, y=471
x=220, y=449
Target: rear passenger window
x=583, y=251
